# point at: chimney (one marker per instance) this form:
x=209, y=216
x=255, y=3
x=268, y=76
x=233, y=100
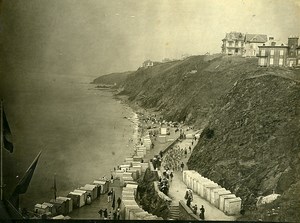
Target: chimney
x=273, y=43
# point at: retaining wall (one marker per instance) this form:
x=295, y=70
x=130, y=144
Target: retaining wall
x=185, y=213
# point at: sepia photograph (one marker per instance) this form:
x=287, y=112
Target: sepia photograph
x=150, y=110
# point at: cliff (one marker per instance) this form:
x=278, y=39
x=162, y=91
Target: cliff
x=250, y=116
x=253, y=145
x=112, y=79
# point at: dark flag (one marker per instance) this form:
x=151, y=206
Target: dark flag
x=6, y=132
x=22, y=187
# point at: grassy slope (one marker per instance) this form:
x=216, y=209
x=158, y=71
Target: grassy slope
x=188, y=97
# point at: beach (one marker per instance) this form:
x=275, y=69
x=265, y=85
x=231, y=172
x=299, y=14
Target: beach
x=81, y=132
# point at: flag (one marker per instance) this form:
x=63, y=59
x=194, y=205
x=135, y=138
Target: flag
x=22, y=186
x=6, y=132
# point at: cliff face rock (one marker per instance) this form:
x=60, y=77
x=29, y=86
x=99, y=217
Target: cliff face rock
x=255, y=146
x=187, y=90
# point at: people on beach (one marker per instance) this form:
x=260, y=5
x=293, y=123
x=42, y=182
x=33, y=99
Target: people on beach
x=109, y=196
x=188, y=201
x=88, y=199
x=190, y=194
x=115, y=215
x=105, y=214
x=181, y=166
x=195, y=209
x=118, y=214
x=171, y=176
x=100, y=212
x=111, y=179
x=202, y=210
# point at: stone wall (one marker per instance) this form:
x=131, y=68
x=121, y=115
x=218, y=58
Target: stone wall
x=149, y=197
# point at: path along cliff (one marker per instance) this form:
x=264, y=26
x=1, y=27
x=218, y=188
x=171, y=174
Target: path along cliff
x=250, y=116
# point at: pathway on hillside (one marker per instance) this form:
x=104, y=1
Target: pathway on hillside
x=178, y=188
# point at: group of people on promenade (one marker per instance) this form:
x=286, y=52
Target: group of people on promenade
x=114, y=213
x=189, y=198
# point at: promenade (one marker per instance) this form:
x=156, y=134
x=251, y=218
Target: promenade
x=178, y=188
x=176, y=191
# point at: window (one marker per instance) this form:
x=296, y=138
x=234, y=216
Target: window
x=298, y=61
x=280, y=62
x=263, y=53
x=271, y=61
x=262, y=61
x=230, y=43
x=272, y=52
x=281, y=52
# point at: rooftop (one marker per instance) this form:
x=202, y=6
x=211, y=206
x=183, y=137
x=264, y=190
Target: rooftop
x=234, y=36
x=256, y=38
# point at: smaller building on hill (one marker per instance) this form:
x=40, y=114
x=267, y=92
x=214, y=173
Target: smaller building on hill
x=148, y=63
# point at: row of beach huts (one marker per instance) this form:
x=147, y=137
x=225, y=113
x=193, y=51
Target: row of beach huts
x=132, y=168
x=212, y=192
x=128, y=172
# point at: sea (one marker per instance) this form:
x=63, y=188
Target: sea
x=81, y=131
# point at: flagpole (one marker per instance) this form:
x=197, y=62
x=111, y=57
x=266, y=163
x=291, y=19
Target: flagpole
x=1, y=159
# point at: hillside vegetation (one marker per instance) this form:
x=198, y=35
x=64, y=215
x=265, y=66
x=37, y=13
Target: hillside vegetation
x=251, y=121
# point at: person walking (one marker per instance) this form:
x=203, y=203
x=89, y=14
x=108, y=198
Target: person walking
x=118, y=214
x=182, y=166
x=100, y=212
x=105, y=214
x=115, y=215
x=195, y=209
x=109, y=196
x=190, y=194
x=119, y=202
x=185, y=152
x=188, y=201
x=171, y=176
x=202, y=210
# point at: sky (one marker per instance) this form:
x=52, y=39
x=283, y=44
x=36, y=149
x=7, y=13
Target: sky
x=96, y=37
